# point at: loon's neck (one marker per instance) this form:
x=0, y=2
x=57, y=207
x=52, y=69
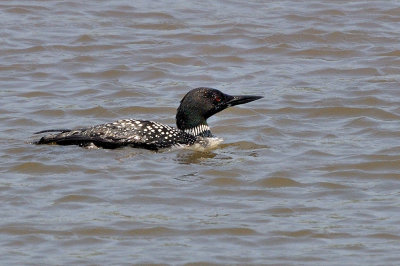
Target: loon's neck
x=192, y=122
x=202, y=130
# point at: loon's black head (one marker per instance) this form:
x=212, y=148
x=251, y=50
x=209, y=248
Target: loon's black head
x=201, y=103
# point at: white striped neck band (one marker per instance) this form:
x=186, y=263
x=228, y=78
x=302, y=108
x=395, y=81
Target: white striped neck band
x=201, y=130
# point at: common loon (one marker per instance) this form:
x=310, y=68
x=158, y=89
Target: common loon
x=191, y=119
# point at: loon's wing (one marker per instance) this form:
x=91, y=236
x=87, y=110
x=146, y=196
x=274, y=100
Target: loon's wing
x=127, y=132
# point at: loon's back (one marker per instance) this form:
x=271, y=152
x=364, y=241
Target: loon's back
x=128, y=132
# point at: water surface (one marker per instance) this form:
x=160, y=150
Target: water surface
x=308, y=175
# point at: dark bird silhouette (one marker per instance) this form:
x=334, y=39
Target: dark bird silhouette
x=191, y=119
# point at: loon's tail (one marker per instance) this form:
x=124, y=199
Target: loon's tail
x=53, y=130
x=75, y=137
x=50, y=138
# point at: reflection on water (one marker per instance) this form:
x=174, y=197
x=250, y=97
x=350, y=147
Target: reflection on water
x=194, y=157
x=309, y=174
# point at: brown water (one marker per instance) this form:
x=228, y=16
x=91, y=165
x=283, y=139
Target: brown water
x=308, y=175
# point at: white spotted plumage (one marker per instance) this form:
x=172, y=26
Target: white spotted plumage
x=134, y=133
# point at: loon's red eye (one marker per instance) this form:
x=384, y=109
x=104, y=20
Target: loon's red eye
x=217, y=99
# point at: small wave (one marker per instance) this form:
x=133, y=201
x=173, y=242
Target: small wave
x=205, y=144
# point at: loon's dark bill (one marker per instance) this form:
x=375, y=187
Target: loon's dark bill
x=241, y=99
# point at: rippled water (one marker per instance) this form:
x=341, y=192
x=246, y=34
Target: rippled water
x=308, y=175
